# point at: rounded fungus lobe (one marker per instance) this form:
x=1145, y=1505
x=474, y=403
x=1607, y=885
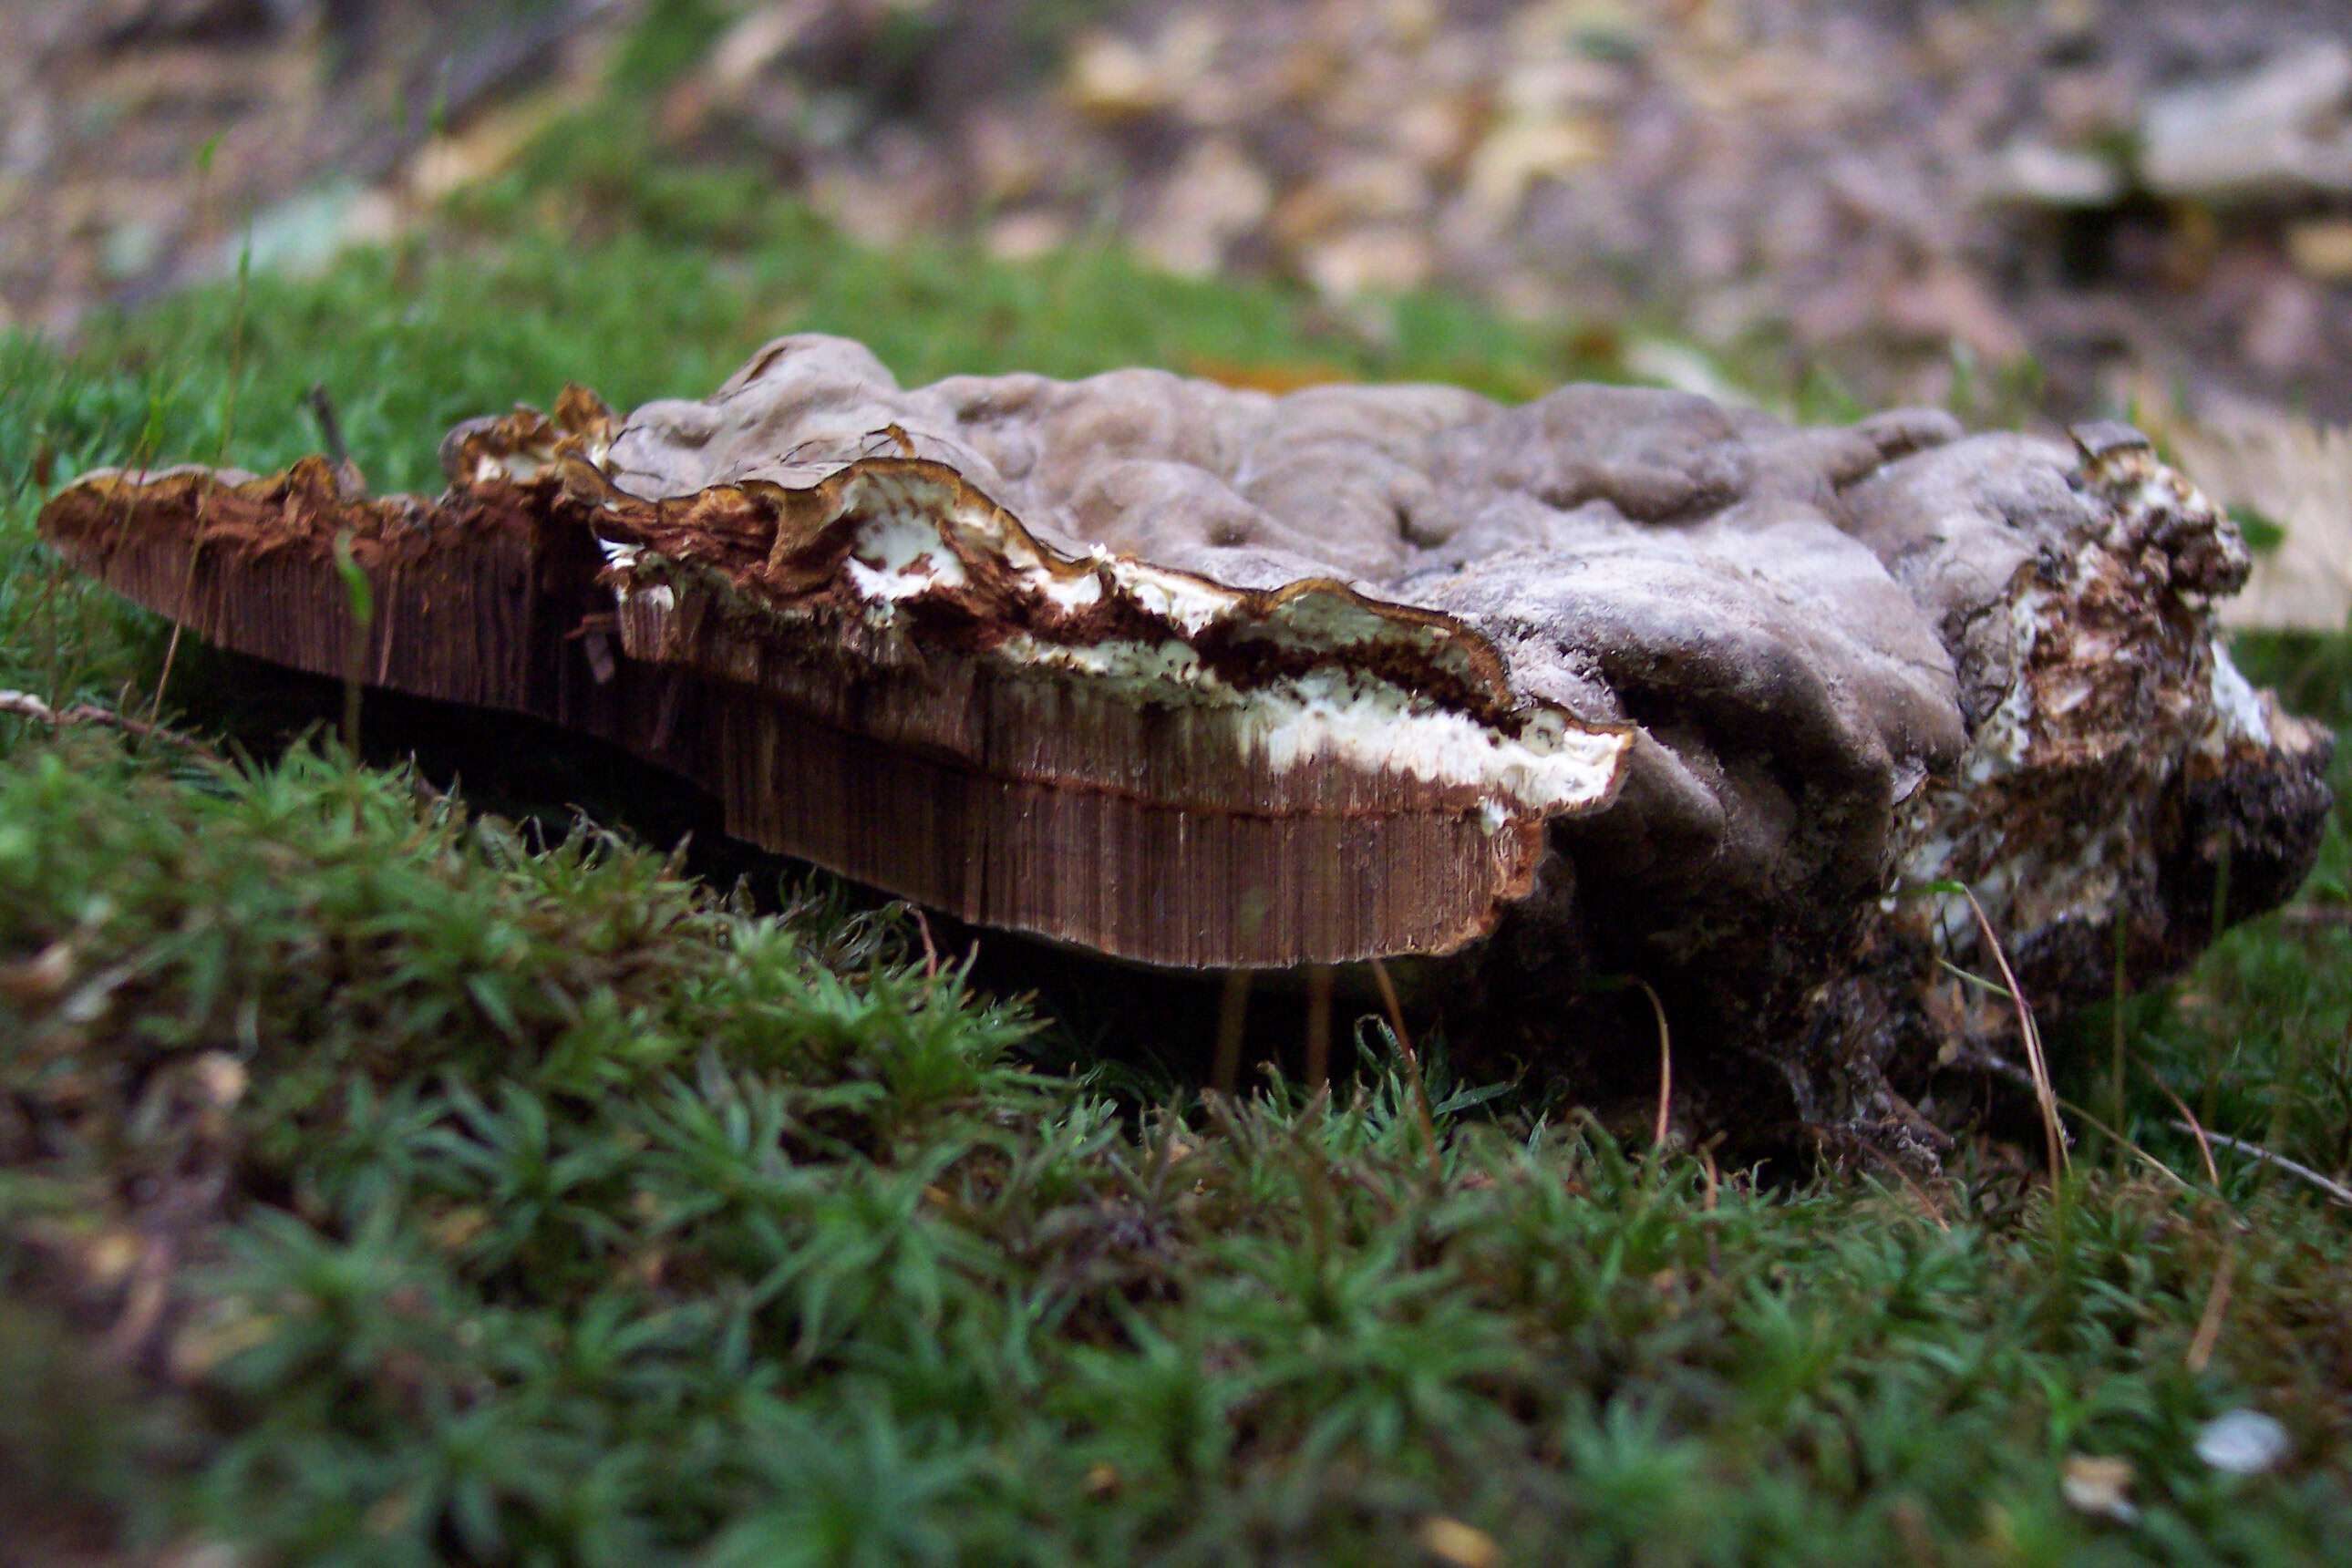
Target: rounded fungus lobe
x=1171, y=671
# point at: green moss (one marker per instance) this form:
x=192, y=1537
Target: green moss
x=530, y=1201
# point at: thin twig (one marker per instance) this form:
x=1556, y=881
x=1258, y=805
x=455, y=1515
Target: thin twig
x=25, y=705
x=2328, y=1184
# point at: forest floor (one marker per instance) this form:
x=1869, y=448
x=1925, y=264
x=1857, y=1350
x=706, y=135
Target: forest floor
x=2084, y=201
x=395, y=1168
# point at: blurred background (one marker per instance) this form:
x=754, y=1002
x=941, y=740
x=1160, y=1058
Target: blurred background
x=2030, y=210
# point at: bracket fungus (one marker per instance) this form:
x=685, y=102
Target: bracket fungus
x=1617, y=681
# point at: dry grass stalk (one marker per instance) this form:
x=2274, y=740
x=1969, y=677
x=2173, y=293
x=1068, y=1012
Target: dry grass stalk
x=2053, y=1131
x=2120, y=1141
x=1666, y=1065
x=1411, y=1067
x=2195, y=1128
x=171, y=648
x=2216, y=1303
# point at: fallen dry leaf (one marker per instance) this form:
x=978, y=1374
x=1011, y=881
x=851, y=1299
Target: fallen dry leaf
x=2099, y=1484
x=1463, y=1545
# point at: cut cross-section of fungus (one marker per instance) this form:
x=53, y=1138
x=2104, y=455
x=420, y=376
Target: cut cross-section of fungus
x=1619, y=681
